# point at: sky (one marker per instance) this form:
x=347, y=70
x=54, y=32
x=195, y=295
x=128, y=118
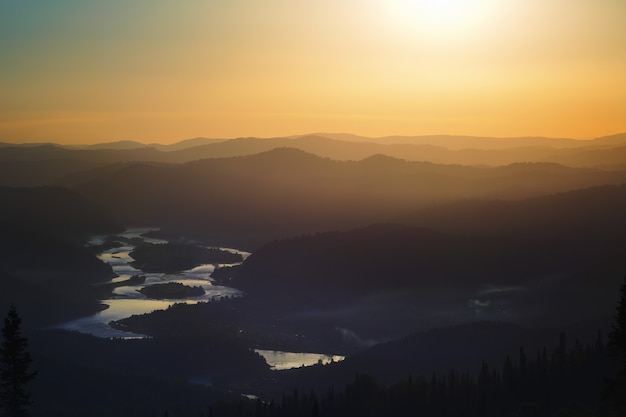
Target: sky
x=85, y=71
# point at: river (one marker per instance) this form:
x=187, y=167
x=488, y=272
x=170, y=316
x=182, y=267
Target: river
x=278, y=360
x=127, y=300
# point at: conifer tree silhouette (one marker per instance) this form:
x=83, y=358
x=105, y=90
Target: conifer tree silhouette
x=15, y=361
x=617, y=346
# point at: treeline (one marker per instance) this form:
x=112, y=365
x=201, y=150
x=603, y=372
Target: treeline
x=218, y=320
x=175, y=257
x=171, y=290
x=558, y=383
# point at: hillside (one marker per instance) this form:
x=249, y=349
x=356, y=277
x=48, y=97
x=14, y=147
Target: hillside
x=44, y=266
x=46, y=164
x=587, y=215
x=286, y=191
x=546, y=261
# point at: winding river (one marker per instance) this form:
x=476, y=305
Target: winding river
x=127, y=300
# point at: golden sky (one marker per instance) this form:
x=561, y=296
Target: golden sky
x=85, y=71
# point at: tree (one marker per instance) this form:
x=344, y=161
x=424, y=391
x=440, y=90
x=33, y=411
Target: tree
x=617, y=336
x=15, y=361
x=617, y=345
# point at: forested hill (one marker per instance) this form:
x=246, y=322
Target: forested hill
x=48, y=164
x=389, y=257
x=44, y=266
x=51, y=210
x=566, y=380
x=389, y=279
x=286, y=192
x=593, y=213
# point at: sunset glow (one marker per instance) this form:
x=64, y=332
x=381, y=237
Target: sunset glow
x=443, y=19
x=86, y=72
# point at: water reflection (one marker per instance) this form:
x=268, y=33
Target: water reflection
x=127, y=300
x=278, y=360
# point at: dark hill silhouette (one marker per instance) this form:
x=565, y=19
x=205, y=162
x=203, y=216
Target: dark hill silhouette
x=461, y=347
x=600, y=156
x=50, y=210
x=549, y=260
x=229, y=148
x=32, y=152
x=97, y=154
x=457, y=142
x=44, y=266
x=618, y=139
x=39, y=172
x=286, y=191
x=594, y=214
x=150, y=374
x=586, y=228
x=442, y=348
x=47, y=164
x=187, y=143
x=562, y=377
x=386, y=257
x=54, y=162
x=119, y=145
x=468, y=151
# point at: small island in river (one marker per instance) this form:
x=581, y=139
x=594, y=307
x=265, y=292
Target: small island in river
x=176, y=257
x=171, y=290
x=224, y=274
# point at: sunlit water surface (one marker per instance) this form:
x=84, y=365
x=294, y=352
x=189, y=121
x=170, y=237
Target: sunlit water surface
x=127, y=300
x=288, y=360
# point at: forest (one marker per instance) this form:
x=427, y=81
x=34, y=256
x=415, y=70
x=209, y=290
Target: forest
x=561, y=382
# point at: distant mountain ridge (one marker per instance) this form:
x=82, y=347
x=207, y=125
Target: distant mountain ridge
x=452, y=142
x=291, y=191
x=130, y=144
x=54, y=161
x=459, y=142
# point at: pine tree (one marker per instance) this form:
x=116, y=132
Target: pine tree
x=15, y=361
x=617, y=336
x=617, y=346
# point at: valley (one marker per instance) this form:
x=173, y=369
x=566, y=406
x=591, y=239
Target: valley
x=214, y=280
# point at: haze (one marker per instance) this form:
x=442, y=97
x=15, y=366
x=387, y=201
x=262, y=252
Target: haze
x=89, y=72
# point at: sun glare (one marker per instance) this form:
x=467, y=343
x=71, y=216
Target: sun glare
x=441, y=18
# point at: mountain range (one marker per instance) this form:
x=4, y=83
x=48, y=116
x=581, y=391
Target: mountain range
x=45, y=164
